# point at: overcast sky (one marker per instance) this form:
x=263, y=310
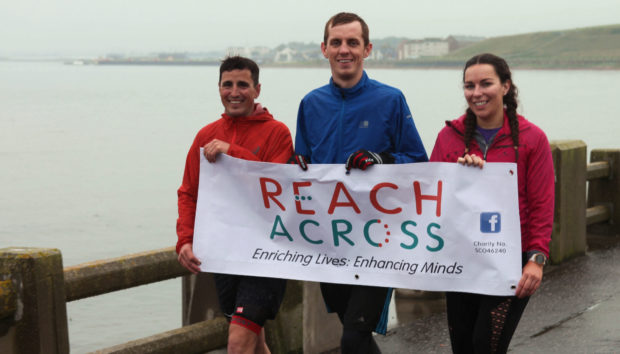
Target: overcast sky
x=99, y=27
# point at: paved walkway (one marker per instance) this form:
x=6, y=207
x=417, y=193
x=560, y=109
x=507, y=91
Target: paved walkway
x=576, y=310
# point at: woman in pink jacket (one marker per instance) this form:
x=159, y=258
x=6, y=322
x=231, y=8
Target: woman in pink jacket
x=492, y=131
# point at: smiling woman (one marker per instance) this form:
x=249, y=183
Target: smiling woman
x=492, y=131
x=484, y=92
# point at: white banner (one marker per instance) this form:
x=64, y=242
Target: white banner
x=426, y=226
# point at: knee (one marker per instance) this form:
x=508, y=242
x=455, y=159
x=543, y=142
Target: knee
x=241, y=340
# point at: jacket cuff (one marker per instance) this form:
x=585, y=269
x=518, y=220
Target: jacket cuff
x=387, y=157
x=180, y=244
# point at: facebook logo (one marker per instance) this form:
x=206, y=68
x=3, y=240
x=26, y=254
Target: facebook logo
x=490, y=222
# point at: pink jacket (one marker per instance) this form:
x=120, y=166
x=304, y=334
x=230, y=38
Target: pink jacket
x=534, y=169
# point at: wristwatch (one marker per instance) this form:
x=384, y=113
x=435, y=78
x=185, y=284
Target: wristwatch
x=539, y=258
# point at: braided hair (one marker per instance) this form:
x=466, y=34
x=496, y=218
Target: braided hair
x=510, y=99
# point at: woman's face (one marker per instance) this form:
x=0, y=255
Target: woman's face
x=484, y=94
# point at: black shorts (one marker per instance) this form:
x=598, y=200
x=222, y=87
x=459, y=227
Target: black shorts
x=254, y=299
x=361, y=308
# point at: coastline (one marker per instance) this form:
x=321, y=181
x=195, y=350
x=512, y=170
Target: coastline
x=409, y=65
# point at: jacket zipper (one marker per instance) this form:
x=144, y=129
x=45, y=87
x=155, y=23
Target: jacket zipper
x=234, y=135
x=340, y=124
x=493, y=145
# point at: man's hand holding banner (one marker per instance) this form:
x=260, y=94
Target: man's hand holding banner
x=425, y=226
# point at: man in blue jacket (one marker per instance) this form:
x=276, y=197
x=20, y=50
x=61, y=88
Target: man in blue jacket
x=360, y=122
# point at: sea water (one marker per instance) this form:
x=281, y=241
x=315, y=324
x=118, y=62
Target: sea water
x=91, y=158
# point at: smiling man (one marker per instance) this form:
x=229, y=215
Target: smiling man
x=248, y=131
x=360, y=122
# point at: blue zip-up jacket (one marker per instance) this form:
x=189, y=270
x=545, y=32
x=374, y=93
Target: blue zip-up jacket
x=333, y=122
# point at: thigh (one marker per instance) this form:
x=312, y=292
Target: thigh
x=499, y=317
x=226, y=286
x=462, y=310
x=367, y=308
x=336, y=297
x=258, y=299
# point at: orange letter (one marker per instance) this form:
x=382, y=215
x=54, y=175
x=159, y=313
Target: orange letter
x=272, y=195
x=375, y=203
x=419, y=197
x=334, y=203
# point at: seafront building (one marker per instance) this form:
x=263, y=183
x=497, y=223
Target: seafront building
x=384, y=50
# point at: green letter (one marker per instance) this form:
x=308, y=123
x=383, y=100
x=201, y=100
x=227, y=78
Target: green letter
x=432, y=235
x=403, y=228
x=366, y=235
x=303, y=232
x=337, y=233
x=277, y=222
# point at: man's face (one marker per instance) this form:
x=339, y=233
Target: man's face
x=346, y=51
x=238, y=92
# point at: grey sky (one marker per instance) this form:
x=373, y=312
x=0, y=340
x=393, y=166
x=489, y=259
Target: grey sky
x=98, y=27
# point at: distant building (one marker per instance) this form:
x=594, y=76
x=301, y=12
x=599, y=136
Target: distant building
x=172, y=56
x=253, y=53
x=376, y=54
x=428, y=47
x=259, y=52
x=232, y=51
x=285, y=55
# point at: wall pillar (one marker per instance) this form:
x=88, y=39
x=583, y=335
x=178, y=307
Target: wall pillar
x=322, y=330
x=39, y=324
x=569, y=219
x=303, y=324
x=200, y=302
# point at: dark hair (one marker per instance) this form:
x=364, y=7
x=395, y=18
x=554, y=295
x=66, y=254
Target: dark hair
x=510, y=99
x=239, y=63
x=343, y=18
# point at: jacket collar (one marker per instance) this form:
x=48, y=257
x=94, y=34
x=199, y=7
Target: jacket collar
x=459, y=124
x=260, y=114
x=349, y=92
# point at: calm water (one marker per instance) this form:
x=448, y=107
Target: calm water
x=92, y=156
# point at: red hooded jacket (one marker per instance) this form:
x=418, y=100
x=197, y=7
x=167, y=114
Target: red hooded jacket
x=534, y=168
x=258, y=137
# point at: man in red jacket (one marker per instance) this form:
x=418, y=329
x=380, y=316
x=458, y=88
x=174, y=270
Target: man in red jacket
x=246, y=130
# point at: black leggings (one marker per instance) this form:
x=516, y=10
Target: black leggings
x=482, y=323
x=360, y=309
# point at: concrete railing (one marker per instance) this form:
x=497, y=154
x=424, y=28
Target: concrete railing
x=604, y=190
x=34, y=290
x=598, y=213
x=576, y=210
x=34, y=287
x=105, y=276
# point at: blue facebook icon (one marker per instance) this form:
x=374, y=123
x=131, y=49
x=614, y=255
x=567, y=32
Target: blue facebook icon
x=490, y=222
